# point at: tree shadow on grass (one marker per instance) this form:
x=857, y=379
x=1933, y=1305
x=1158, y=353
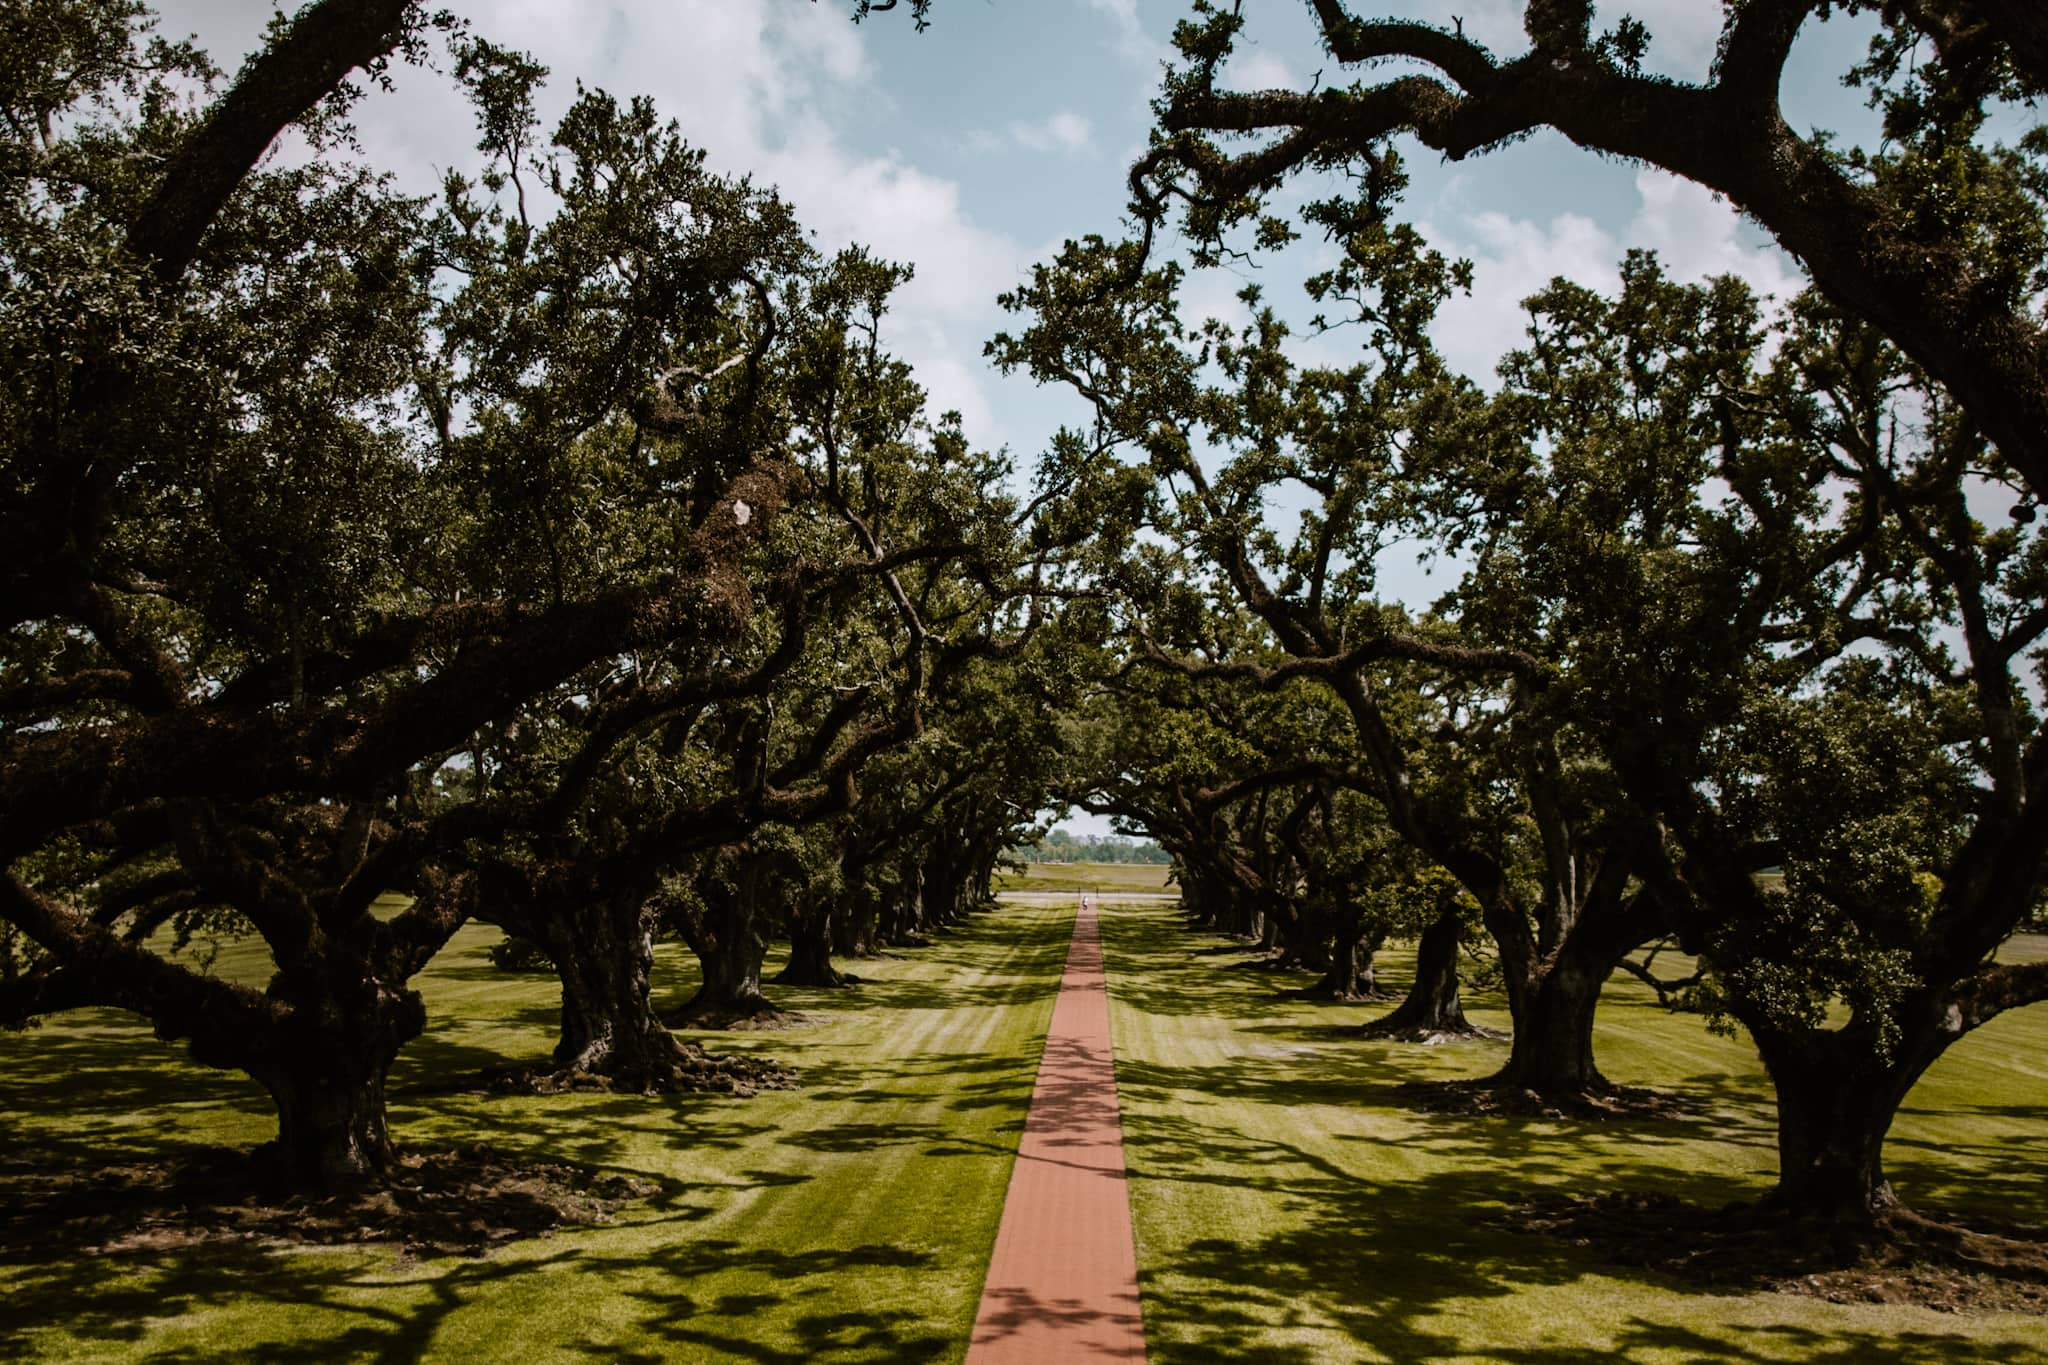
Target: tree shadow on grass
x=705, y=1329
x=1382, y=1260
x=102, y=1087
x=103, y=1304
x=1392, y=1248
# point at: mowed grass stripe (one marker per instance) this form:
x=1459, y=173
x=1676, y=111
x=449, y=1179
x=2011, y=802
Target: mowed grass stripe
x=849, y=1220
x=1290, y=1209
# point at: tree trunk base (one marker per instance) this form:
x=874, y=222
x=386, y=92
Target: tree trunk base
x=1959, y=1264
x=732, y=1015
x=816, y=976
x=1393, y=1029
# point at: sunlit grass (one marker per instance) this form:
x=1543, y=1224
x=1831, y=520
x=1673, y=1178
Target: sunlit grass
x=849, y=1220
x=1290, y=1208
x=1074, y=878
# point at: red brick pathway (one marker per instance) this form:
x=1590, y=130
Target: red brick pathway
x=1063, y=1284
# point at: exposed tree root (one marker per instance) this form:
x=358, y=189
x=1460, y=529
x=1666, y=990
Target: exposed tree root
x=831, y=979
x=1392, y=1030
x=1944, y=1262
x=1372, y=997
x=761, y=1018
x=1232, y=944
x=704, y=1073
x=1486, y=1099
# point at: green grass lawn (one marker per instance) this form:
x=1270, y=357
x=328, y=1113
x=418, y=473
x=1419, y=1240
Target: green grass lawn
x=1289, y=1208
x=1100, y=878
x=848, y=1220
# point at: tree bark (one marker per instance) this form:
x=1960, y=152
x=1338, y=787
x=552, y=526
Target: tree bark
x=325, y=1068
x=1433, y=1007
x=1836, y=1102
x=331, y=1130
x=810, y=949
x=727, y=939
x=1350, y=975
x=1552, y=1053
x=604, y=954
x=903, y=917
x=853, y=933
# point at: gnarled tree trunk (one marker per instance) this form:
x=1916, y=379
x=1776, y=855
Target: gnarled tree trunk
x=810, y=947
x=325, y=1068
x=603, y=950
x=1552, y=1052
x=1434, y=1006
x=1838, y=1093
x=331, y=1129
x=1351, y=975
x=730, y=947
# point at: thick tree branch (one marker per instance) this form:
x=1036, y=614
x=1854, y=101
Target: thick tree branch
x=276, y=89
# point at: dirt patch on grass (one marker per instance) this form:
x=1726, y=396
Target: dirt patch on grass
x=1944, y=1262
x=700, y=1073
x=438, y=1203
x=772, y=1019
x=1320, y=996
x=1379, y=1031
x=1478, y=1099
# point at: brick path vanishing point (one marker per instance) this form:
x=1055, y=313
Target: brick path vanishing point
x=1063, y=1283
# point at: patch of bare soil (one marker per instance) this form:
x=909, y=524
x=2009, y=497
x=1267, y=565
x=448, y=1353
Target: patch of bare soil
x=1330, y=997
x=1478, y=1099
x=460, y=1202
x=1275, y=962
x=1380, y=1031
x=704, y=1074
x=1944, y=1262
x=757, y=1020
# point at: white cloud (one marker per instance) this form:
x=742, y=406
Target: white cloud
x=766, y=90
x=1512, y=258
x=1683, y=33
x=1064, y=131
x=1127, y=34
x=904, y=214
x=1256, y=69
x=1694, y=233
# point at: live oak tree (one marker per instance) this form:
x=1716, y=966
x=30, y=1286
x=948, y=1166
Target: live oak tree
x=1930, y=249
x=314, y=490
x=1933, y=238
x=1798, y=647
x=1449, y=733
x=200, y=372
x=630, y=773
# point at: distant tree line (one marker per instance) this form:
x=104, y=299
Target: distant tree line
x=1062, y=847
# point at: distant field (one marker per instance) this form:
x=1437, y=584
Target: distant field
x=1102, y=878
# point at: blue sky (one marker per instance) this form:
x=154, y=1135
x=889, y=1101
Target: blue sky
x=973, y=149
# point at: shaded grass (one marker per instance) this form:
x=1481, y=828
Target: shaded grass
x=1074, y=878
x=1291, y=1207
x=849, y=1220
